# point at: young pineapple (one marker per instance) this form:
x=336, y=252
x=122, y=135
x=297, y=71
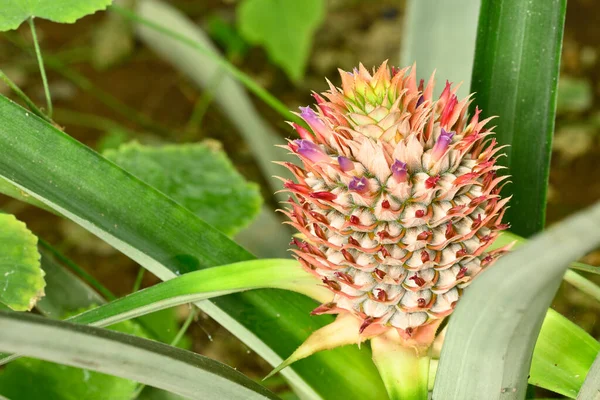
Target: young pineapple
x=396, y=201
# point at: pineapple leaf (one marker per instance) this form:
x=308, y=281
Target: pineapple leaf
x=35, y=379
x=591, y=386
x=284, y=28
x=492, y=334
x=563, y=355
x=515, y=76
x=127, y=357
x=205, y=284
x=563, y=351
x=169, y=240
x=21, y=278
x=14, y=12
x=198, y=176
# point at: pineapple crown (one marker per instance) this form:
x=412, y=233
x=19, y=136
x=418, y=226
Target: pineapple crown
x=397, y=200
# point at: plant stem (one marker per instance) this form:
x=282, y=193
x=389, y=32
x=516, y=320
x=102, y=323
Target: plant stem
x=404, y=370
x=13, y=86
x=40, y=60
x=138, y=279
x=586, y=268
x=586, y=286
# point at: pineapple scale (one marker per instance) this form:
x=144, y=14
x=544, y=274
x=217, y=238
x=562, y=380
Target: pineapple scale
x=397, y=198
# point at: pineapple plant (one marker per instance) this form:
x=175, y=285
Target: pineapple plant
x=396, y=201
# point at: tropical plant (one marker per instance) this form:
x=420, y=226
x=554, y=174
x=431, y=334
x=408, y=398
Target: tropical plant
x=400, y=200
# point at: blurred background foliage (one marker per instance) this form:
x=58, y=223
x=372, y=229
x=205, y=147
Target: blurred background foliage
x=110, y=87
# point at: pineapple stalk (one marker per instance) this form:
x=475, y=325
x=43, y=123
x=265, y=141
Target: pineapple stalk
x=403, y=369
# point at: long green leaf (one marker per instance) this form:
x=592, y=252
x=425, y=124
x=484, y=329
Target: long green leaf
x=33, y=379
x=169, y=240
x=563, y=355
x=152, y=363
x=515, y=77
x=563, y=351
x=491, y=336
x=591, y=386
x=205, y=284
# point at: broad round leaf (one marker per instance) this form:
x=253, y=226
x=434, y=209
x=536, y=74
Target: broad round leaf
x=198, y=176
x=14, y=12
x=284, y=28
x=21, y=278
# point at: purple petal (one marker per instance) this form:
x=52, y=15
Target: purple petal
x=313, y=120
x=345, y=164
x=309, y=150
x=442, y=144
x=399, y=171
x=359, y=185
x=313, y=152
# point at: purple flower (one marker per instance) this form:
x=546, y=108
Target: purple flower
x=313, y=152
x=359, y=185
x=399, y=171
x=345, y=164
x=441, y=145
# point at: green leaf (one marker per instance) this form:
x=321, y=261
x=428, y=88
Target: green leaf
x=126, y=356
x=563, y=356
x=591, y=386
x=198, y=176
x=515, y=76
x=284, y=28
x=65, y=292
x=14, y=12
x=169, y=240
x=31, y=379
x=205, y=284
x=10, y=190
x=491, y=336
x=563, y=351
x=21, y=278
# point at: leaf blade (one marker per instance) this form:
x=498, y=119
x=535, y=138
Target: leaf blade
x=591, y=386
x=197, y=175
x=270, y=22
x=181, y=372
x=21, y=277
x=514, y=294
x=81, y=185
x=515, y=76
x=14, y=12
